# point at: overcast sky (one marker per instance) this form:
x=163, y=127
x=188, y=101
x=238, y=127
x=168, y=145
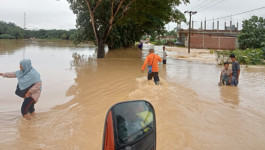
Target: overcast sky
x=54, y=14
x=40, y=14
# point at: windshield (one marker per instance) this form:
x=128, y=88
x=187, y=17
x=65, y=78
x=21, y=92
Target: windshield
x=134, y=120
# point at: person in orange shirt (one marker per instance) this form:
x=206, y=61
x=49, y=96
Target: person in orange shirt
x=152, y=61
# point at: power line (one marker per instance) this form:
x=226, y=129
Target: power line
x=199, y=5
x=218, y=2
x=205, y=5
x=237, y=14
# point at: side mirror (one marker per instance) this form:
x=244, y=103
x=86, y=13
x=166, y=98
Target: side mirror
x=130, y=126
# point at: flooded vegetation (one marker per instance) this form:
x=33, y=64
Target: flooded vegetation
x=78, y=89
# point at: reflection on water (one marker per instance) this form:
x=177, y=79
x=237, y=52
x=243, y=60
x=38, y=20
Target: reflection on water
x=10, y=46
x=229, y=94
x=78, y=89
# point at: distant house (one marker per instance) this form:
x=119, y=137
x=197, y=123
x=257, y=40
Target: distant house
x=211, y=39
x=170, y=37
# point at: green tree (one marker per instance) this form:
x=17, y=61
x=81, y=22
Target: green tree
x=10, y=31
x=64, y=36
x=97, y=18
x=253, y=33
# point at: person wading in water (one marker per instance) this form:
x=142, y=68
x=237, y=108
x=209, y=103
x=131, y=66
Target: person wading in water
x=28, y=87
x=164, y=55
x=235, y=69
x=152, y=61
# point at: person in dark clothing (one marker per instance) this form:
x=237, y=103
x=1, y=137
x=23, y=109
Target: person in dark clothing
x=140, y=46
x=235, y=70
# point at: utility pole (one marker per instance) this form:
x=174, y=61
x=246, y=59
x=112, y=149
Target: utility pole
x=217, y=25
x=191, y=13
x=25, y=21
x=205, y=26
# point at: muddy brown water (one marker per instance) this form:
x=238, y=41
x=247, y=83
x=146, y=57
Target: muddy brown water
x=78, y=89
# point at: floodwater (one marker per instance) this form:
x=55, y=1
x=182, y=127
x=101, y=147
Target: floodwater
x=193, y=113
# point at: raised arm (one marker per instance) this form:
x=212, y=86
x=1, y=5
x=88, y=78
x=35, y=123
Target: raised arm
x=8, y=75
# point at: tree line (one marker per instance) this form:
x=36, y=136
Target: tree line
x=12, y=31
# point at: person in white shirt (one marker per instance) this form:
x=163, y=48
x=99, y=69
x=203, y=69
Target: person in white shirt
x=164, y=55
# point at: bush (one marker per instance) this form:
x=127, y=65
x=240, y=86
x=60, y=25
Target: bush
x=157, y=42
x=247, y=57
x=7, y=36
x=212, y=51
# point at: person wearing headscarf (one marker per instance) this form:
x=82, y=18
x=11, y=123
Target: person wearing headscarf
x=28, y=78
